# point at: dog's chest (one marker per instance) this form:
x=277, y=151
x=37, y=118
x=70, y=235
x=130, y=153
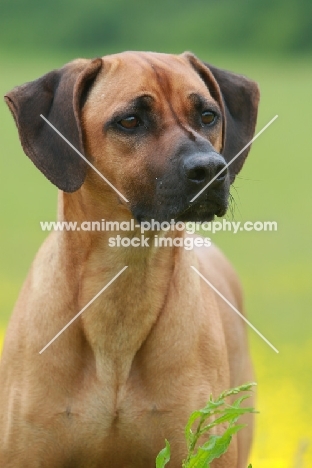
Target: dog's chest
x=126, y=433
x=123, y=427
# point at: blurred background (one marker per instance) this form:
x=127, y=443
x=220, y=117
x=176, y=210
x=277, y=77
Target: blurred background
x=267, y=40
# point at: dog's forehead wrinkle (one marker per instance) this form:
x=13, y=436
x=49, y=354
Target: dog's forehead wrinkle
x=164, y=85
x=141, y=101
x=199, y=99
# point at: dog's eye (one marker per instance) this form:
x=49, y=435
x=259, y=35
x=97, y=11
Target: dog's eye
x=129, y=122
x=208, y=117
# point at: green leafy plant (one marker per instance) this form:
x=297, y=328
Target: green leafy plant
x=214, y=413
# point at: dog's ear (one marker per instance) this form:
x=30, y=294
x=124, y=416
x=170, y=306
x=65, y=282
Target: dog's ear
x=58, y=96
x=238, y=97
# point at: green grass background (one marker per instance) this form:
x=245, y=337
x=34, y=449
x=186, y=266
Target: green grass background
x=275, y=184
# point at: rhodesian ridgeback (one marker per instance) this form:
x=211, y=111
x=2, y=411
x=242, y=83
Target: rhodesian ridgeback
x=152, y=348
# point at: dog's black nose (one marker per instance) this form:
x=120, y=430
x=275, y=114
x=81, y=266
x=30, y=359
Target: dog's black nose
x=200, y=169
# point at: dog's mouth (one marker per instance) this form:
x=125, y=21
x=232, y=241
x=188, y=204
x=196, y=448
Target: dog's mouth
x=172, y=202
x=200, y=212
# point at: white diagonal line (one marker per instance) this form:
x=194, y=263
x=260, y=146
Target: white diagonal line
x=235, y=310
x=82, y=310
x=84, y=158
x=232, y=160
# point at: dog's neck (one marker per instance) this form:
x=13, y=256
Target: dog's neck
x=126, y=312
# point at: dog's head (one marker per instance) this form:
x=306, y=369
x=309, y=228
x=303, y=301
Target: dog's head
x=159, y=127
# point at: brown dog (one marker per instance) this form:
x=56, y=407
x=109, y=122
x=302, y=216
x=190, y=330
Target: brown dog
x=128, y=372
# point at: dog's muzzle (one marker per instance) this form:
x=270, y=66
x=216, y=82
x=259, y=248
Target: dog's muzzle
x=183, y=181
x=206, y=171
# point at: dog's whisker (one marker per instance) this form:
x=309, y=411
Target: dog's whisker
x=233, y=204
